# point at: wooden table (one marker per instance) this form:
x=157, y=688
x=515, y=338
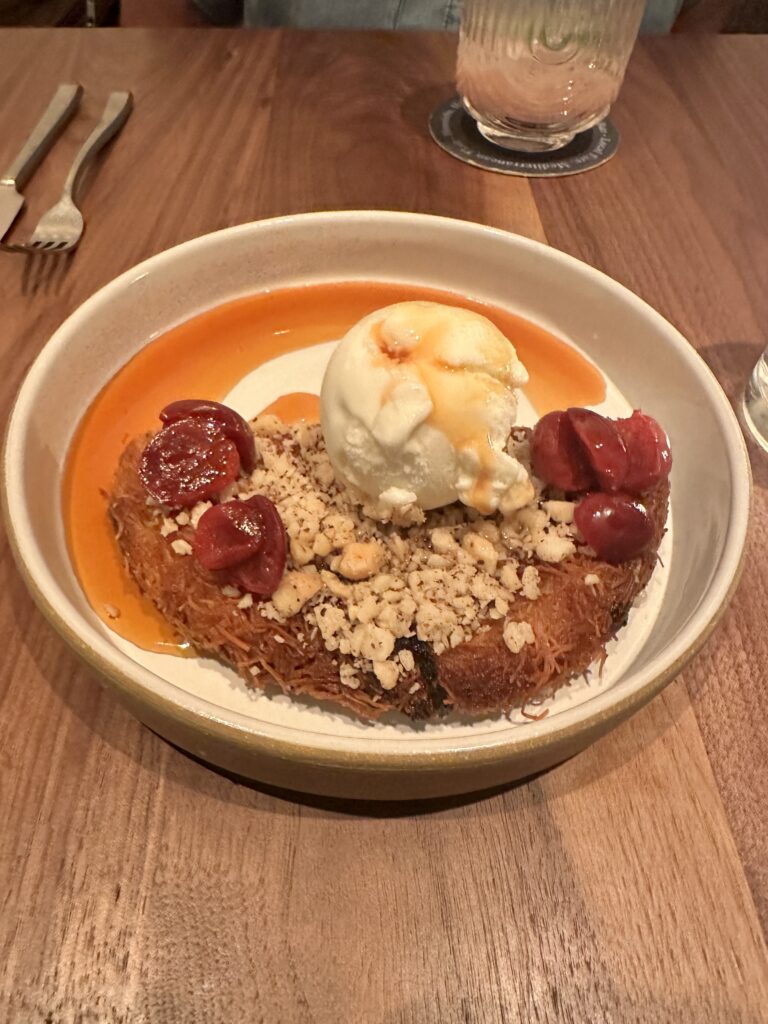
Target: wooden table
x=626, y=885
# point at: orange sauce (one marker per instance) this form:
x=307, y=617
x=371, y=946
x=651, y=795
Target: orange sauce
x=204, y=358
x=295, y=407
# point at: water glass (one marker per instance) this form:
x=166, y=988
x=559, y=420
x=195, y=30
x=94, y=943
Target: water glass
x=533, y=73
x=755, y=401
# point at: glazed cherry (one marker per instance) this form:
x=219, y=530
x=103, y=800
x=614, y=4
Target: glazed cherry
x=231, y=423
x=244, y=543
x=227, y=534
x=650, y=457
x=603, y=447
x=188, y=461
x=616, y=526
x=557, y=454
x=261, y=573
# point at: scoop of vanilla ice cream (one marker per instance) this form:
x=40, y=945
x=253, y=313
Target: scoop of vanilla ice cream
x=416, y=407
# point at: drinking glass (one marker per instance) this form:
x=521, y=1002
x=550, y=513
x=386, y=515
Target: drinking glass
x=533, y=73
x=755, y=401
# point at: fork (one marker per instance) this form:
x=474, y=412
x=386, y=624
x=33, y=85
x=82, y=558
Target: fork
x=60, y=229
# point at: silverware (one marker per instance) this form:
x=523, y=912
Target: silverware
x=61, y=108
x=59, y=230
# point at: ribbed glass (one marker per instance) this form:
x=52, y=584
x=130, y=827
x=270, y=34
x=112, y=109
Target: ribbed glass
x=538, y=71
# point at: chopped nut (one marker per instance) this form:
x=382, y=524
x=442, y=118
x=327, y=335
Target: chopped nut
x=531, y=583
x=112, y=611
x=407, y=660
x=360, y=560
x=531, y=520
x=181, y=547
x=365, y=611
x=321, y=546
x=592, y=579
x=336, y=586
x=481, y=550
x=348, y=677
x=246, y=601
x=386, y=672
x=384, y=582
x=509, y=577
x=169, y=526
x=560, y=511
x=182, y=518
x=490, y=531
x=517, y=635
x=374, y=643
x=443, y=540
x=339, y=529
x=301, y=553
x=198, y=511
x=296, y=588
x=552, y=548
x=228, y=591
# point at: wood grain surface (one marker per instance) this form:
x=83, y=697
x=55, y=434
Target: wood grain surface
x=627, y=885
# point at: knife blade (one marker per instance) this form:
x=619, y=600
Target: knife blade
x=61, y=108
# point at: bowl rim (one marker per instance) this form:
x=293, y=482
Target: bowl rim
x=202, y=716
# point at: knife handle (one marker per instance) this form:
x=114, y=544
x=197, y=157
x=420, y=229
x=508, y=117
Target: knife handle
x=43, y=135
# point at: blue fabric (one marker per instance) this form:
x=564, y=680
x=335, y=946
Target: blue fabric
x=434, y=14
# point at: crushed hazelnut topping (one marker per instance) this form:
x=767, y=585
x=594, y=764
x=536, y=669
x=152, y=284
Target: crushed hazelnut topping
x=296, y=588
x=517, y=635
x=531, y=583
x=592, y=579
x=386, y=672
x=359, y=561
x=348, y=676
x=169, y=526
x=363, y=584
x=559, y=511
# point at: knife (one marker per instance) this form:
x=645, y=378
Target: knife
x=43, y=135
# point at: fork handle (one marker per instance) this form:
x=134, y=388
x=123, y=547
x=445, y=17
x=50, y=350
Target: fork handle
x=119, y=106
x=63, y=105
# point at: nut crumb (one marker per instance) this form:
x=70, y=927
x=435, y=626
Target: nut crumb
x=517, y=635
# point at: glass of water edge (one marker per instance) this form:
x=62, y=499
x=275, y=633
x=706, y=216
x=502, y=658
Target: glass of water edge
x=755, y=402
x=533, y=73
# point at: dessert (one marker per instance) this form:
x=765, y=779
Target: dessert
x=418, y=552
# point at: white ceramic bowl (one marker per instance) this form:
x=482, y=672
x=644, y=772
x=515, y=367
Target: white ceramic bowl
x=321, y=752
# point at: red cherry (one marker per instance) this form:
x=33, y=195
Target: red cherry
x=602, y=445
x=227, y=534
x=231, y=423
x=650, y=457
x=557, y=454
x=616, y=526
x=261, y=573
x=188, y=461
